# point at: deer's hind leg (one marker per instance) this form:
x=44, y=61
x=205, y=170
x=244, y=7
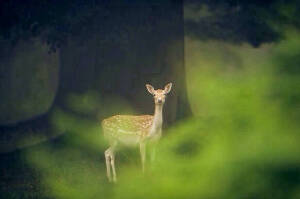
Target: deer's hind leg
x=107, y=154
x=110, y=162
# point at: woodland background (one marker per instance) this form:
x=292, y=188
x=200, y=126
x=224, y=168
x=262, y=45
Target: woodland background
x=231, y=120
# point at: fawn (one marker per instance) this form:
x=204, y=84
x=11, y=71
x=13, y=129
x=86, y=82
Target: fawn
x=131, y=130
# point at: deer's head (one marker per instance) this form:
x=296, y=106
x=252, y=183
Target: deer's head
x=159, y=94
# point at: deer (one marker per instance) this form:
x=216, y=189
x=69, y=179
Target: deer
x=134, y=130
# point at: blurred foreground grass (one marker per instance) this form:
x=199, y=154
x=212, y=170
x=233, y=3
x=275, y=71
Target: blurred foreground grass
x=243, y=141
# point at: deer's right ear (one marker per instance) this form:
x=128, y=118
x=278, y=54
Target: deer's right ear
x=150, y=89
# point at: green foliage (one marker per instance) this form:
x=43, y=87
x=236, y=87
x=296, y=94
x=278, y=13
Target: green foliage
x=255, y=21
x=57, y=21
x=242, y=142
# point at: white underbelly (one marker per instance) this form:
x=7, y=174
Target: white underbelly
x=129, y=140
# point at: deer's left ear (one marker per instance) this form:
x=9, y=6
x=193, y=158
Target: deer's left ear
x=168, y=88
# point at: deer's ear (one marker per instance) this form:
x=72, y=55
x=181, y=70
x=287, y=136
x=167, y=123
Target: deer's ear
x=168, y=88
x=150, y=89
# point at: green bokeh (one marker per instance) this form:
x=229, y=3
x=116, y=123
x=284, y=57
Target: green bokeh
x=243, y=141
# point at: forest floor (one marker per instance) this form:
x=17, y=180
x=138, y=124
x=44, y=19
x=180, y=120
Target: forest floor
x=65, y=160
x=18, y=180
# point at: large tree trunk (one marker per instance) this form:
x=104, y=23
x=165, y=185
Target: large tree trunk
x=28, y=85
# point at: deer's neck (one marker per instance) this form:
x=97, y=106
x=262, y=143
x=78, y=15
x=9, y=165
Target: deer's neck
x=157, y=120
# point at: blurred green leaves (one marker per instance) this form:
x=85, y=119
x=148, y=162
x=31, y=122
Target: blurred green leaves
x=243, y=141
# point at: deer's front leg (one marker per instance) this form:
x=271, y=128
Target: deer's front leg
x=153, y=153
x=143, y=154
